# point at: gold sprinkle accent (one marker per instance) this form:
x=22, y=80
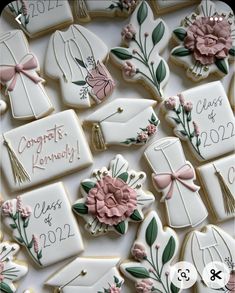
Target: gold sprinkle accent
x=120, y=110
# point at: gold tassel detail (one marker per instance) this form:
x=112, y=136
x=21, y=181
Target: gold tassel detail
x=81, y=9
x=228, y=198
x=97, y=138
x=18, y=170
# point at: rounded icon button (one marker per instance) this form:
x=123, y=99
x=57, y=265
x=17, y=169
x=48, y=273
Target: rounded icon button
x=216, y=275
x=183, y=275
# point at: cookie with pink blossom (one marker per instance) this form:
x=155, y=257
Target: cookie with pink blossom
x=143, y=39
x=112, y=197
x=42, y=221
x=202, y=116
x=206, y=41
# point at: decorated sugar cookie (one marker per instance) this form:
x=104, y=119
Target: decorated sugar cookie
x=113, y=197
x=165, y=6
x=43, y=150
x=85, y=10
x=218, y=180
x=18, y=73
x=123, y=122
x=206, y=41
x=145, y=38
x=42, y=221
x=75, y=57
x=203, y=117
x=232, y=92
x=88, y=275
x=209, y=245
x=153, y=252
x=3, y=107
x=174, y=177
x=38, y=17
x=11, y=270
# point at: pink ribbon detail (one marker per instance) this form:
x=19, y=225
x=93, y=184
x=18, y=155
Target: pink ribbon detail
x=184, y=173
x=11, y=72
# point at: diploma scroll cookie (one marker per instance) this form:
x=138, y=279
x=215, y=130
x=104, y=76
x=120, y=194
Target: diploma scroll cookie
x=145, y=38
x=218, y=180
x=88, y=275
x=11, y=269
x=18, y=73
x=202, y=116
x=123, y=122
x=153, y=251
x=206, y=41
x=42, y=221
x=211, y=244
x=43, y=150
x=39, y=17
x=174, y=177
x=76, y=57
x=85, y=10
x=112, y=197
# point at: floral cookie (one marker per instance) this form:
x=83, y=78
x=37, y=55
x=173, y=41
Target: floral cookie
x=112, y=198
x=153, y=251
x=232, y=92
x=145, y=38
x=218, y=180
x=19, y=75
x=85, y=10
x=211, y=244
x=165, y=6
x=202, y=116
x=123, y=122
x=11, y=270
x=43, y=150
x=37, y=17
x=88, y=275
x=75, y=57
x=206, y=41
x=174, y=177
x=42, y=221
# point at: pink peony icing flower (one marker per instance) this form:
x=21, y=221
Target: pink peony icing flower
x=151, y=129
x=170, y=103
x=26, y=212
x=111, y=200
x=138, y=251
x=101, y=81
x=129, y=69
x=114, y=289
x=196, y=128
x=7, y=208
x=188, y=106
x=142, y=137
x=144, y=286
x=128, y=32
x=209, y=39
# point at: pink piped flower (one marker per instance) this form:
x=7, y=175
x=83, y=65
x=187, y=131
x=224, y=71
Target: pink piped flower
x=188, y=107
x=142, y=137
x=144, y=286
x=138, y=251
x=7, y=208
x=129, y=69
x=24, y=7
x=196, y=129
x=170, y=103
x=181, y=99
x=114, y=289
x=128, y=32
x=129, y=4
x=26, y=212
x=151, y=129
x=19, y=203
x=35, y=243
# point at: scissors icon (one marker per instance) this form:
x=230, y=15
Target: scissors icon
x=215, y=274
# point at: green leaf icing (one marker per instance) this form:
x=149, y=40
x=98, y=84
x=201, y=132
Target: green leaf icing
x=158, y=33
x=121, y=53
x=181, y=52
x=138, y=272
x=151, y=232
x=142, y=13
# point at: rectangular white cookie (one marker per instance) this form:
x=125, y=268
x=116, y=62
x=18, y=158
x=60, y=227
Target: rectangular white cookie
x=211, y=184
x=47, y=149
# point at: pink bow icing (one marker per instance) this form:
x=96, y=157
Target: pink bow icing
x=11, y=72
x=184, y=173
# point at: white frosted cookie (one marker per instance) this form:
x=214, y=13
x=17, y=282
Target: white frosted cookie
x=42, y=221
x=165, y=6
x=123, y=122
x=18, y=74
x=85, y=10
x=112, y=197
x=232, y=92
x=39, y=17
x=209, y=245
x=218, y=180
x=88, y=275
x=144, y=38
x=202, y=116
x=75, y=57
x=11, y=269
x=205, y=41
x=153, y=251
x=43, y=150
x=174, y=177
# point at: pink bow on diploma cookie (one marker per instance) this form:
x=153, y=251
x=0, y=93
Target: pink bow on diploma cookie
x=11, y=72
x=184, y=173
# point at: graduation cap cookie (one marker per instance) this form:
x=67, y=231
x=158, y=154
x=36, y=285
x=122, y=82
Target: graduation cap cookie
x=123, y=122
